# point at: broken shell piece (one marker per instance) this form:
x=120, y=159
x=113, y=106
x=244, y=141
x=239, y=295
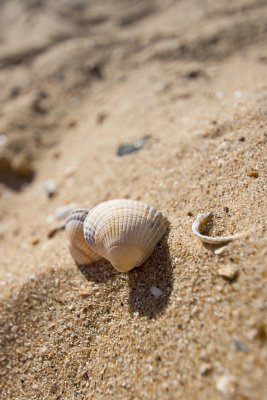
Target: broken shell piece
x=227, y=385
x=220, y=250
x=79, y=248
x=125, y=232
x=203, y=223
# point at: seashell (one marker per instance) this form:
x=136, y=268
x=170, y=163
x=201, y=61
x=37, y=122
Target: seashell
x=125, y=232
x=79, y=248
x=201, y=224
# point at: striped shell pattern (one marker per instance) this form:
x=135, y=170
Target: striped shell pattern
x=125, y=232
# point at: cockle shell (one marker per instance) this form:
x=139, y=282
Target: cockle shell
x=79, y=248
x=125, y=232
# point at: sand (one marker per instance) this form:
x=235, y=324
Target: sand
x=78, y=81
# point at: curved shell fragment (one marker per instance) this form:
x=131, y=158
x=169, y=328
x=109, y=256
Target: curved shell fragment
x=201, y=225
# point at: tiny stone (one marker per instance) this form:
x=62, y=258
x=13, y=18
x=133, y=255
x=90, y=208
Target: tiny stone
x=72, y=123
x=156, y=291
x=43, y=350
x=194, y=73
x=229, y=272
x=35, y=241
x=205, y=369
x=101, y=116
x=226, y=385
x=50, y=188
x=129, y=148
x=84, y=295
x=238, y=345
x=14, y=329
x=252, y=172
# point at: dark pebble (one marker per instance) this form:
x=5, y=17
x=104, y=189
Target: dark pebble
x=129, y=148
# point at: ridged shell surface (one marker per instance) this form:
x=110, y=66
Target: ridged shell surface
x=125, y=232
x=79, y=248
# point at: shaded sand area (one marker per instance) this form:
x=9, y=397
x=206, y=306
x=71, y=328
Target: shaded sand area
x=77, y=81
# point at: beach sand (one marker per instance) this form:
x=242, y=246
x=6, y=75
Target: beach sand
x=77, y=81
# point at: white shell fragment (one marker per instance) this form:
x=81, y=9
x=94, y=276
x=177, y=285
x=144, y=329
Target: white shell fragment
x=125, y=232
x=226, y=385
x=50, y=187
x=79, y=248
x=156, y=291
x=201, y=224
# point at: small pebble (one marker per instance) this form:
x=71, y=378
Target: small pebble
x=156, y=291
x=101, y=116
x=50, y=188
x=43, y=350
x=84, y=295
x=64, y=211
x=14, y=329
x=129, y=148
x=34, y=241
x=253, y=172
x=226, y=385
x=72, y=123
x=194, y=73
x=238, y=345
x=205, y=369
x=228, y=272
